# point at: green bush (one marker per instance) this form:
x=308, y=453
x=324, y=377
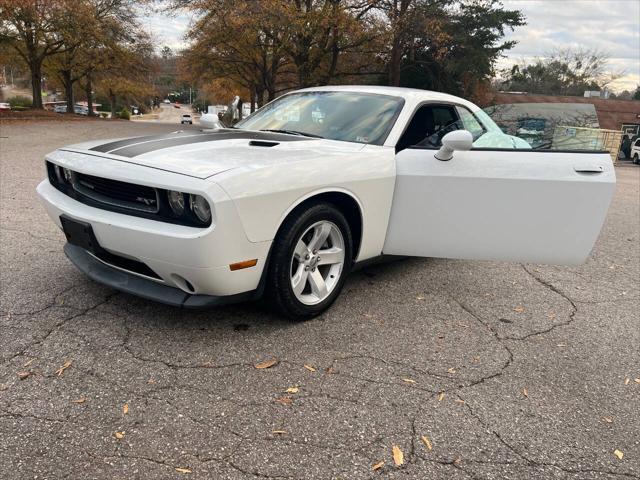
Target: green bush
x=125, y=114
x=20, y=102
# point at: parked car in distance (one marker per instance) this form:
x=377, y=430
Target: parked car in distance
x=5, y=106
x=283, y=204
x=186, y=118
x=60, y=108
x=635, y=151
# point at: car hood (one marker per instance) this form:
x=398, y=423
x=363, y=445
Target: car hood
x=204, y=154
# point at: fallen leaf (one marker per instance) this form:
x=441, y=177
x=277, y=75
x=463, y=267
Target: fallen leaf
x=427, y=442
x=420, y=297
x=459, y=400
x=519, y=309
x=125, y=409
x=279, y=432
x=408, y=380
x=378, y=466
x=637, y=380
x=284, y=400
x=28, y=363
x=551, y=316
x=293, y=390
x=61, y=370
x=441, y=396
x=151, y=381
x=398, y=456
x=183, y=470
x=525, y=392
x=626, y=381
x=618, y=454
x=330, y=370
x=451, y=370
x=607, y=419
x=79, y=400
x=309, y=367
x=266, y=364
x=457, y=460
x=23, y=375
x=119, y=435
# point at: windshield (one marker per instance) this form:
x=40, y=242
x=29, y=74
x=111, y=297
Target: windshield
x=346, y=116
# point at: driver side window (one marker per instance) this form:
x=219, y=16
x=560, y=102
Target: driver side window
x=427, y=127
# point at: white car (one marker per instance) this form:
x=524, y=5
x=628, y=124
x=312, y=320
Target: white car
x=283, y=205
x=186, y=118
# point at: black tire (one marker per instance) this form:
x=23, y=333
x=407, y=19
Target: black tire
x=636, y=159
x=279, y=294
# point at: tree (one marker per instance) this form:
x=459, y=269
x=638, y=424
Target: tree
x=563, y=72
x=33, y=28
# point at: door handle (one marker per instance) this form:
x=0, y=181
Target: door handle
x=588, y=168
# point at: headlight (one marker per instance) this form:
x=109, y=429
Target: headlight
x=200, y=207
x=176, y=202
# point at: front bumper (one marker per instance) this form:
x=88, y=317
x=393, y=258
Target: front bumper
x=143, y=287
x=176, y=253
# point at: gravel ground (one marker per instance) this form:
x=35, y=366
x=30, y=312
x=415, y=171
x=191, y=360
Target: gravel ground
x=474, y=370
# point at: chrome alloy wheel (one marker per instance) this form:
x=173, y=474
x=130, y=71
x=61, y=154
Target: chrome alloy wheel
x=317, y=262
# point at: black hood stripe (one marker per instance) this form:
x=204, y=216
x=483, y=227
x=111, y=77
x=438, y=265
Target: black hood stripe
x=107, y=147
x=140, y=145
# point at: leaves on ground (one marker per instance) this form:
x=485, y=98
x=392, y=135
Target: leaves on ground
x=266, y=364
x=286, y=400
x=279, y=432
x=23, y=375
x=61, y=370
x=398, y=456
x=408, y=380
x=607, y=419
x=451, y=370
x=519, y=309
x=183, y=470
x=378, y=466
x=618, y=454
x=293, y=390
x=309, y=367
x=79, y=400
x=441, y=396
x=626, y=381
x=525, y=392
x=125, y=409
x=427, y=442
x=119, y=435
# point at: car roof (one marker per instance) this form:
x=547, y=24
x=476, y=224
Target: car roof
x=413, y=95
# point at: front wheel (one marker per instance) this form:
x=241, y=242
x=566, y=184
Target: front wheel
x=311, y=257
x=636, y=159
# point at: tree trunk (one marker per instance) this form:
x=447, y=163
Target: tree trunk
x=395, y=61
x=36, y=84
x=68, y=89
x=89, y=93
x=112, y=101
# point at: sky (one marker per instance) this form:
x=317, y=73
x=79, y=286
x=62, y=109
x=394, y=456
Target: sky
x=612, y=26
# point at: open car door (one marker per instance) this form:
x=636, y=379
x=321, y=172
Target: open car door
x=512, y=205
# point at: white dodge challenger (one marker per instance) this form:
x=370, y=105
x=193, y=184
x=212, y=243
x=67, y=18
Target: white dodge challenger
x=285, y=203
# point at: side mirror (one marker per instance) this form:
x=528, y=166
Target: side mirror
x=452, y=141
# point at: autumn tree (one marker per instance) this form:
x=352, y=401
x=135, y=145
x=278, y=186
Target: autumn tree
x=34, y=29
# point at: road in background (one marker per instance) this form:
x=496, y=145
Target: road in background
x=474, y=370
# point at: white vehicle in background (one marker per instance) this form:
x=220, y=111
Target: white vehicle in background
x=60, y=108
x=635, y=151
x=186, y=118
x=5, y=106
x=166, y=101
x=283, y=204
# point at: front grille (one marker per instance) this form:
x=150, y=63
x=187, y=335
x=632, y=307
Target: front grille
x=116, y=193
x=126, y=264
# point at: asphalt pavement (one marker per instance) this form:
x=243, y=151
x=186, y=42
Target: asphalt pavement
x=471, y=370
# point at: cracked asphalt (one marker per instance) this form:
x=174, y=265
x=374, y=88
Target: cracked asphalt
x=508, y=371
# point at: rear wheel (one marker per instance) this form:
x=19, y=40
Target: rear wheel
x=636, y=159
x=311, y=257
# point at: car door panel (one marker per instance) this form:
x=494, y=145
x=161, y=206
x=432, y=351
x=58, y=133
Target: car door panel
x=524, y=206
